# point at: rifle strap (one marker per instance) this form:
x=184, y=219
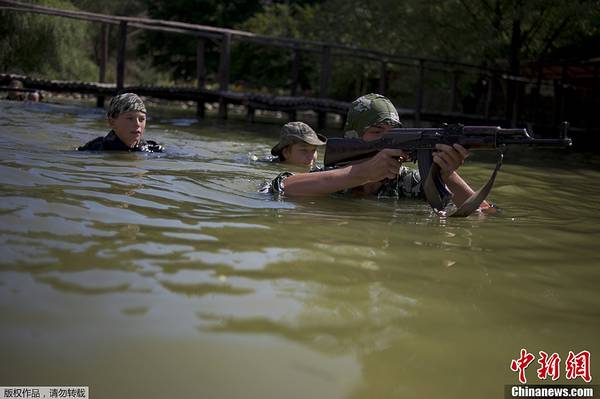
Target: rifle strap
x=435, y=190
x=438, y=198
x=472, y=203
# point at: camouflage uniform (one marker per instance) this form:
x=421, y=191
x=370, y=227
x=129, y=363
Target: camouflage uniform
x=111, y=142
x=121, y=104
x=406, y=185
x=366, y=111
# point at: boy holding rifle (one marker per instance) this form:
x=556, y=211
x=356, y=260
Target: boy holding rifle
x=383, y=175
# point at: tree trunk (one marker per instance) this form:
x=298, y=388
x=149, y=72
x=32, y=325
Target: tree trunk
x=514, y=64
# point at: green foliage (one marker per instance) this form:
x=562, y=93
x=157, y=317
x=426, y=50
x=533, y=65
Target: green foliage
x=176, y=54
x=270, y=67
x=46, y=46
x=496, y=33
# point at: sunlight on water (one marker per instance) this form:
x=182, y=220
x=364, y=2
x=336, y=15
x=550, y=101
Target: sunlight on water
x=140, y=274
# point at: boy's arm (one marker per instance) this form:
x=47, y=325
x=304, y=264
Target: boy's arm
x=449, y=159
x=383, y=165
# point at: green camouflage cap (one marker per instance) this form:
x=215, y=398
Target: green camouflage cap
x=297, y=132
x=368, y=110
x=125, y=102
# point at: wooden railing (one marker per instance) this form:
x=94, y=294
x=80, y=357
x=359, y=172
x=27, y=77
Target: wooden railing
x=491, y=102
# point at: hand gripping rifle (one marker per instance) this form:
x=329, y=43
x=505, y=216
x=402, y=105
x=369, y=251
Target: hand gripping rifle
x=419, y=143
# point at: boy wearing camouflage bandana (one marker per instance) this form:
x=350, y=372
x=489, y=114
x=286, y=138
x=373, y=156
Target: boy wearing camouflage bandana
x=383, y=175
x=127, y=119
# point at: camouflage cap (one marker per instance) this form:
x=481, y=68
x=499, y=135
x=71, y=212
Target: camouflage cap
x=297, y=132
x=125, y=102
x=368, y=110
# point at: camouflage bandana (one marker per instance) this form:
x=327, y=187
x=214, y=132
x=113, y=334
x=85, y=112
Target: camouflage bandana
x=125, y=102
x=370, y=110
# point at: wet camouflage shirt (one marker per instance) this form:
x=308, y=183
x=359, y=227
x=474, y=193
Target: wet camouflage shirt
x=111, y=142
x=406, y=185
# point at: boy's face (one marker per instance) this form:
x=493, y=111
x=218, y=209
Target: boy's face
x=375, y=132
x=300, y=154
x=129, y=127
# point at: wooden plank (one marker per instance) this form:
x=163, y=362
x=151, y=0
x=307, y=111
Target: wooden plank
x=121, y=56
x=224, y=72
x=200, y=74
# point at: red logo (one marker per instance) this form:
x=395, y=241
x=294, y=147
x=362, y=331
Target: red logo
x=579, y=366
x=576, y=365
x=548, y=366
x=521, y=364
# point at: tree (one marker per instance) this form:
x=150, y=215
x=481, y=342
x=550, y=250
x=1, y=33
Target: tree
x=177, y=54
x=46, y=46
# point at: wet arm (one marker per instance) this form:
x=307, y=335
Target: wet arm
x=449, y=159
x=384, y=165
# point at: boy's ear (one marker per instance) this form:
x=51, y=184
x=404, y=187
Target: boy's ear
x=111, y=122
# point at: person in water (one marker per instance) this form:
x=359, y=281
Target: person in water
x=17, y=92
x=127, y=119
x=383, y=175
x=298, y=144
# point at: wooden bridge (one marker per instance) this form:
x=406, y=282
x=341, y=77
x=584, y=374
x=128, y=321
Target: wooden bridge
x=489, y=101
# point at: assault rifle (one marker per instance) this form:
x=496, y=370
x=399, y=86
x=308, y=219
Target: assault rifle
x=419, y=144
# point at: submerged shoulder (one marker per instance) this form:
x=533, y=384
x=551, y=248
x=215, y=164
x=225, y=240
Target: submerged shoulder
x=96, y=144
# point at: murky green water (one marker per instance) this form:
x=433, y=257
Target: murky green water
x=153, y=275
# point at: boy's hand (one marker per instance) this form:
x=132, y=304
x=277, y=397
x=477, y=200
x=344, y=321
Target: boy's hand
x=385, y=164
x=449, y=158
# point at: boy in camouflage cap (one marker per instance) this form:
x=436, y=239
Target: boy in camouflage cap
x=383, y=175
x=370, y=110
x=127, y=119
x=298, y=145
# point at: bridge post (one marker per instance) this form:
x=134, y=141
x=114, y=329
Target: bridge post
x=593, y=104
x=489, y=96
x=324, y=82
x=536, y=94
x=224, y=73
x=383, y=81
x=296, y=65
x=559, y=96
x=200, y=75
x=454, y=88
x=103, y=58
x=420, y=93
x=121, y=56
x=516, y=105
